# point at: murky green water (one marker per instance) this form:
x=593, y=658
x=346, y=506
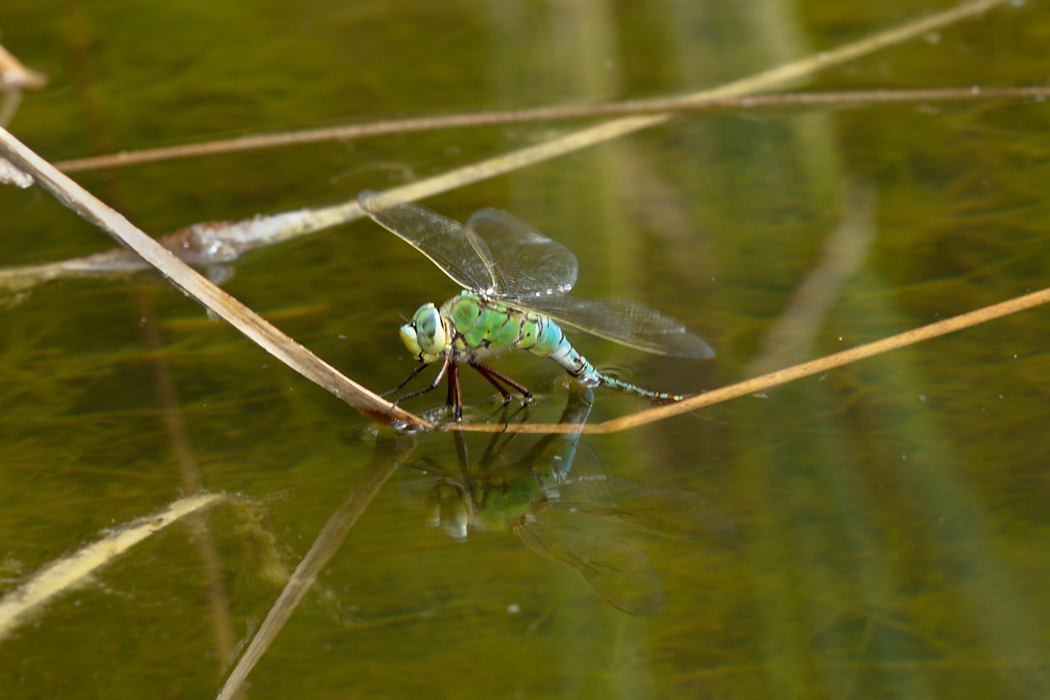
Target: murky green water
x=892, y=528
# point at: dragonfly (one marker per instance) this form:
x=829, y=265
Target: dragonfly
x=515, y=295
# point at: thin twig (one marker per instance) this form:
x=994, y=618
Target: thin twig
x=766, y=381
x=73, y=569
x=686, y=104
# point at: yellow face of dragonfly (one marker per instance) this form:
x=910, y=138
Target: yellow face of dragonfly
x=425, y=335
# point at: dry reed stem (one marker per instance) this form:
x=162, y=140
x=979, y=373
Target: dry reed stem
x=10, y=175
x=73, y=569
x=687, y=104
x=766, y=381
x=388, y=454
x=15, y=76
x=185, y=278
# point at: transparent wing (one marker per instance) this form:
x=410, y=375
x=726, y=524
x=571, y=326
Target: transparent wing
x=618, y=572
x=529, y=263
x=458, y=251
x=668, y=512
x=664, y=511
x=621, y=321
x=529, y=271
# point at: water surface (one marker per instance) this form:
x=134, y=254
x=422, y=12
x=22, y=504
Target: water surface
x=891, y=521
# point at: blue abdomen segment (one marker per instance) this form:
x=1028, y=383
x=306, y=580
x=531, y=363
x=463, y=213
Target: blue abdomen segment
x=552, y=343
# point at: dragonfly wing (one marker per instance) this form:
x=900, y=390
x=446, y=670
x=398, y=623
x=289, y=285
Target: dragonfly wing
x=663, y=511
x=530, y=263
x=667, y=512
x=455, y=249
x=618, y=572
x=621, y=321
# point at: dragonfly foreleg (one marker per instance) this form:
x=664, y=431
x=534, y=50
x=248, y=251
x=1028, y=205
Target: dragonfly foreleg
x=433, y=385
x=399, y=387
x=495, y=377
x=455, y=393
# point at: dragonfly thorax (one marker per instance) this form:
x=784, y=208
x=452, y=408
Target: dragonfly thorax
x=425, y=335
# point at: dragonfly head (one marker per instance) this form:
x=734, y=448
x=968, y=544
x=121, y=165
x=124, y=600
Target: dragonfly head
x=448, y=507
x=425, y=335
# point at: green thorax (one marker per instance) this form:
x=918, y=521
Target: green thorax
x=477, y=326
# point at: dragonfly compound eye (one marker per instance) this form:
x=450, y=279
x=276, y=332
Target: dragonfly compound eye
x=408, y=337
x=429, y=330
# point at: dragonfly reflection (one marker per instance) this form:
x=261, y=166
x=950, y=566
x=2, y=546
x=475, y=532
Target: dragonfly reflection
x=524, y=494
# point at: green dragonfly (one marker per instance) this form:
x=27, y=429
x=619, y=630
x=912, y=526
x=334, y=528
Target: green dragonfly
x=516, y=282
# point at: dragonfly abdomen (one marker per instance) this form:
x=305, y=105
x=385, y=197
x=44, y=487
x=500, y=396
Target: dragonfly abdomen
x=553, y=344
x=481, y=326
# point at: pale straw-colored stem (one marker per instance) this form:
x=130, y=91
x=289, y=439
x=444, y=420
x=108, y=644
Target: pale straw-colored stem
x=185, y=278
x=72, y=570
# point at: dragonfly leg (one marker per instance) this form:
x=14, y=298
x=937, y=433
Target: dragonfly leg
x=433, y=385
x=495, y=447
x=495, y=377
x=399, y=387
x=526, y=409
x=455, y=393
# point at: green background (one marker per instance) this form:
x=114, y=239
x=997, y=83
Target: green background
x=892, y=530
